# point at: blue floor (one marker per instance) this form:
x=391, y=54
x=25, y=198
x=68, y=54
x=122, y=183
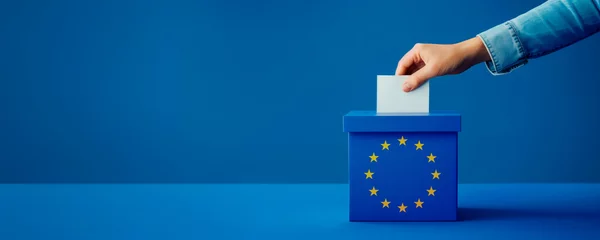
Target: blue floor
x=282, y=211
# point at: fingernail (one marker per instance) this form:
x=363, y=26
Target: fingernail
x=407, y=87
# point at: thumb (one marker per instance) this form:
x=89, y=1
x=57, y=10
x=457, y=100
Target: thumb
x=417, y=79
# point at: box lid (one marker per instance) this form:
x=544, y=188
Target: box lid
x=371, y=121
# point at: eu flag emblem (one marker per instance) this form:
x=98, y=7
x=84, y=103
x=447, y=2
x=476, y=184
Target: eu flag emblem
x=402, y=168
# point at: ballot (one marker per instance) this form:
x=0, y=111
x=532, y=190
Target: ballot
x=392, y=99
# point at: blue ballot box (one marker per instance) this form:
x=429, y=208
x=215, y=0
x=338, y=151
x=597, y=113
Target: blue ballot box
x=403, y=167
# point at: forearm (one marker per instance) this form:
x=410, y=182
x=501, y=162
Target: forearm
x=551, y=26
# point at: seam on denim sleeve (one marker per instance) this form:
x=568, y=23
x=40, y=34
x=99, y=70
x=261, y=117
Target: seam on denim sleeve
x=491, y=51
x=514, y=33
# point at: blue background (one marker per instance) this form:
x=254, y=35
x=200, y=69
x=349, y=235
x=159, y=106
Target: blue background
x=254, y=91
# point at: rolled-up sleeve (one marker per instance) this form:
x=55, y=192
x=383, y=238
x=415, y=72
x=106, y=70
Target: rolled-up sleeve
x=505, y=48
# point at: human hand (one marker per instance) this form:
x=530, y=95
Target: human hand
x=426, y=61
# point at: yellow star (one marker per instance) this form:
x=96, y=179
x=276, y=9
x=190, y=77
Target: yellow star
x=385, y=145
x=385, y=203
x=373, y=157
x=436, y=174
x=402, y=141
x=373, y=191
x=369, y=174
x=402, y=208
x=431, y=191
x=419, y=203
x=419, y=145
x=431, y=157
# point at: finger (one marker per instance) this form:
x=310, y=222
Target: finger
x=414, y=67
x=405, y=63
x=417, y=79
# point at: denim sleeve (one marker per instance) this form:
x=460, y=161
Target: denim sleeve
x=553, y=25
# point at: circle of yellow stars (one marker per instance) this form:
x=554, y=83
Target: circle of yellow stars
x=435, y=175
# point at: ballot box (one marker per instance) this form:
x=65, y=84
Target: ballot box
x=402, y=166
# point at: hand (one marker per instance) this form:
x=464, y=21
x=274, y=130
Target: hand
x=426, y=61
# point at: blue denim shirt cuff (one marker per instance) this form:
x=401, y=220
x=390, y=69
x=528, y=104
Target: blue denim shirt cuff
x=505, y=49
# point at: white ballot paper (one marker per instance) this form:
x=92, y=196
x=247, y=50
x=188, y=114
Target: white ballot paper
x=392, y=99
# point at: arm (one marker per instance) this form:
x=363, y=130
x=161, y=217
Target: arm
x=551, y=26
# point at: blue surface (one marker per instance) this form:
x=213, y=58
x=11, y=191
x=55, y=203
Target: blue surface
x=371, y=121
x=281, y=211
x=217, y=91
